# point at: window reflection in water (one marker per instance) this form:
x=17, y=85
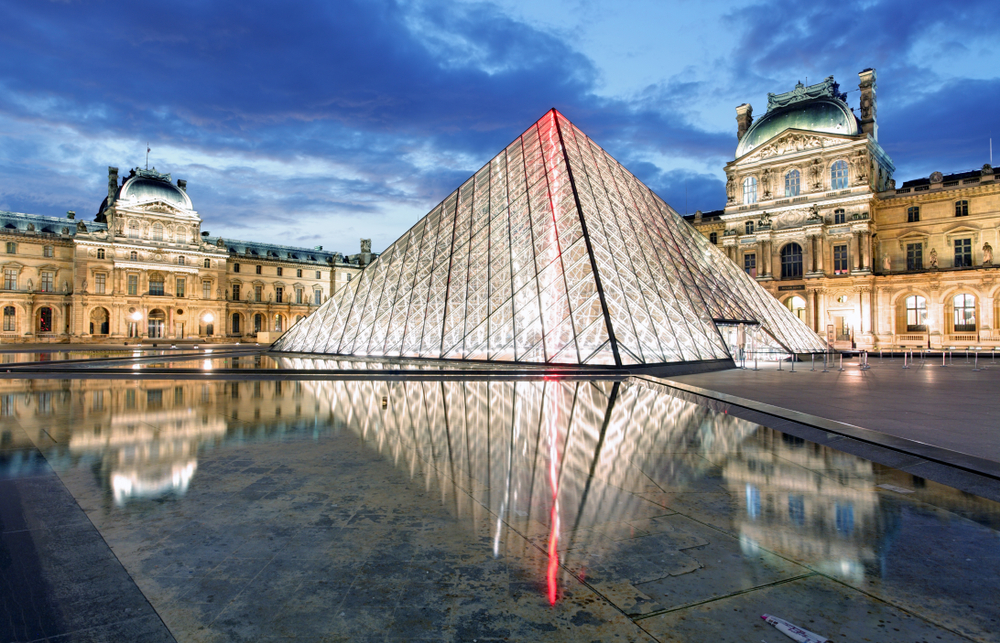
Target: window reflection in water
x=560, y=461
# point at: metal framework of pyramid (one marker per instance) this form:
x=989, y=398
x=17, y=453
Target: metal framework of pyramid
x=551, y=253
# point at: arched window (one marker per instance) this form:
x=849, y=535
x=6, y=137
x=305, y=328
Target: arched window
x=916, y=314
x=9, y=319
x=181, y=261
x=748, y=227
x=965, y=313
x=797, y=305
x=749, y=190
x=45, y=320
x=157, y=232
x=838, y=175
x=208, y=263
x=258, y=323
x=713, y=237
x=133, y=256
x=133, y=229
x=791, y=261
x=961, y=208
x=792, y=183
x=100, y=253
x=236, y=323
x=278, y=323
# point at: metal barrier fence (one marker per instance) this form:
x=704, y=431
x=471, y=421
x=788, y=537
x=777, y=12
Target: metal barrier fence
x=980, y=358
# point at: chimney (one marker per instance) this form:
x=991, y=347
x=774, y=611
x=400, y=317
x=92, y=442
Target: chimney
x=112, y=185
x=744, y=118
x=869, y=106
x=70, y=214
x=182, y=184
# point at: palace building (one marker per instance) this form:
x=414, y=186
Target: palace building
x=814, y=214
x=144, y=269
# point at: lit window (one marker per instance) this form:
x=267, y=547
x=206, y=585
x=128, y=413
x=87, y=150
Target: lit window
x=748, y=227
x=100, y=253
x=749, y=190
x=9, y=319
x=277, y=323
x=10, y=279
x=133, y=284
x=48, y=251
x=48, y=278
x=750, y=264
x=181, y=286
x=965, y=313
x=840, y=260
x=100, y=283
x=838, y=175
x=913, y=214
x=157, y=232
x=961, y=208
x=791, y=261
x=963, y=253
x=713, y=238
x=792, y=183
x=45, y=320
x=181, y=261
x=156, y=286
x=797, y=305
x=839, y=216
x=914, y=256
x=916, y=314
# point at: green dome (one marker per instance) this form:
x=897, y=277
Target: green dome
x=826, y=115
x=147, y=189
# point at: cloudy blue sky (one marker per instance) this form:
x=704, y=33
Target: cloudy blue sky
x=317, y=123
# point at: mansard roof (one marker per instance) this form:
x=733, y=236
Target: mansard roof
x=253, y=250
x=19, y=222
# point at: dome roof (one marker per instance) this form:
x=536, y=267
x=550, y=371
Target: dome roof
x=149, y=188
x=827, y=115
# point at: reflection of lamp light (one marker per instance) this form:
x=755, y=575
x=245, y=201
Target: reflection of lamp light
x=137, y=316
x=208, y=318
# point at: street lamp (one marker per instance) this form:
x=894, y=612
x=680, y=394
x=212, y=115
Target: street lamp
x=208, y=318
x=137, y=316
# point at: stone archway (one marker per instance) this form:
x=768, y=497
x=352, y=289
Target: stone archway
x=157, y=321
x=100, y=321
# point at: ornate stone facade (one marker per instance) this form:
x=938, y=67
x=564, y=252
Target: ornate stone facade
x=144, y=269
x=814, y=214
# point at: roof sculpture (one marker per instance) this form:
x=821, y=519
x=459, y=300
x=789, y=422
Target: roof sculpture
x=551, y=253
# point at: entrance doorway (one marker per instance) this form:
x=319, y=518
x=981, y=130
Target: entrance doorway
x=179, y=330
x=157, y=321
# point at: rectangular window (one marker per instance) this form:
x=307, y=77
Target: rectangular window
x=206, y=289
x=963, y=253
x=840, y=260
x=750, y=263
x=236, y=267
x=100, y=253
x=713, y=238
x=317, y=274
x=11, y=248
x=155, y=287
x=49, y=251
x=961, y=208
x=208, y=263
x=748, y=227
x=10, y=279
x=914, y=256
x=100, y=283
x=258, y=270
x=280, y=271
x=236, y=292
x=9, y=319
x=278, y=293
x=47, y=279
x=181, y=286
x=133, y=284
x=839, y=216
x=318, y=297
x=913, y=214
x=298, y=272
x=298, y=295
x=258, y=293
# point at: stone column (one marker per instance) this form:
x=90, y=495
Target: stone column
x=765, y=252
x=866, y=310
x=856, y=250
x=866, y=253
x=821, y=312
x=811, y=307
x=819, y=253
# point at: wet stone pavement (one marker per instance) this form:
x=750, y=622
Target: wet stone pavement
x=236, y=510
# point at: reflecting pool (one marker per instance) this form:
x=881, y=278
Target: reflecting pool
x=537, y=509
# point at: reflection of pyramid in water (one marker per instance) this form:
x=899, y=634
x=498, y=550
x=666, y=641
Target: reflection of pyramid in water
x=552, y=252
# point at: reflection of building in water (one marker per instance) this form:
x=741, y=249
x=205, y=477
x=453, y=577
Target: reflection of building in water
x=145, y=435
x=806, y=501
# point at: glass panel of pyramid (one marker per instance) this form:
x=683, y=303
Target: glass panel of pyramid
x=551, y=253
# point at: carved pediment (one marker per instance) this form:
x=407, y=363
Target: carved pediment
x=787, y=143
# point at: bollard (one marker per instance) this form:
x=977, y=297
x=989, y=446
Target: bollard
x=943, y=357
x=864, y=363
x=977, y=363
x=780, y=360
x=826, y=355
x=841, y=362
x=813, y=355
x=755, y=361
x=904, y=360
x=966, y=355
x=793, y=362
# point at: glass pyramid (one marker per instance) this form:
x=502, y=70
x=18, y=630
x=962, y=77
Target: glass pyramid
x=551, y=253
